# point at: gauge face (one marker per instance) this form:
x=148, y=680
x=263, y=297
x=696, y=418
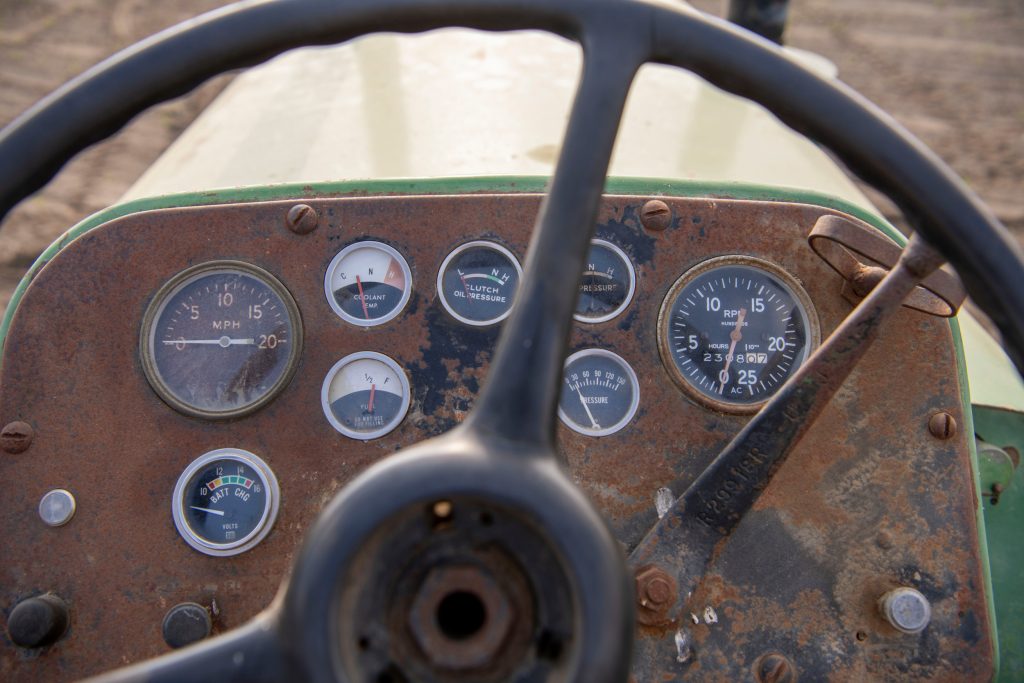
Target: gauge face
x=607, y=285
x=478, y=281
x=220, y=339
x=368, y=283
x=600, y=393
x=225, y=502
x=365, y=395
x=733, y=329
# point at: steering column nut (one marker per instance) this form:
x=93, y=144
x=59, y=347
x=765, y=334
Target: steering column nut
x=656, y=593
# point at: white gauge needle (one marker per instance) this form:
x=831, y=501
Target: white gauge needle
x=593, y=422
x=211, y=511
x=223, y=342
x=735, y=336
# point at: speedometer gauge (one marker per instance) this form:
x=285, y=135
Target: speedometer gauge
x=733, y=329
x=220, y=339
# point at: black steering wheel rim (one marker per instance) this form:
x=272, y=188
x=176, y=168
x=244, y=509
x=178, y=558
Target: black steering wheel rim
x=513, y=424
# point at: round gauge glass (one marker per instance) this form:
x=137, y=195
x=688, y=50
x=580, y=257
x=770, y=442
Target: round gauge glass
x=225, y=502
x=600, y=393
x=220, y=339
x=365, y=395
x=477, y=283
x=608, y=283
x=733, y=329
x=368, y=283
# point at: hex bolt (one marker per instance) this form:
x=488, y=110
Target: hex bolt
x=655, y=594
x=302, y=219
x=906, y=609
x=655, y=215
x=16, y=437
x=942, y=425
x=774, y=668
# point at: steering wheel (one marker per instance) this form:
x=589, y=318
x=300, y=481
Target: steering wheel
x=483, y=515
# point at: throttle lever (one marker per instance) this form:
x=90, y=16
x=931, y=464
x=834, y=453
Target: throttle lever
x=680, y=545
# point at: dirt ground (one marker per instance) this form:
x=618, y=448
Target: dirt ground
x=952, y=71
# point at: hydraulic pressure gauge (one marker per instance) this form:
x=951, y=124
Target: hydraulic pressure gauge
x=225, y=502
x=600, y=393
x=607, y=285
x=733, y=329
x=220, y=339
x=365, y=395
x=368, y=283
x=477, y=283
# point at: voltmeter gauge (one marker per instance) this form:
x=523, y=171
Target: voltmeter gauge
x=477, y=283
x=608, y=283
x=368, y=283
x=733, y=329
x=220, y=339
x=600, y=393
x=365, y=395
x=225, y=502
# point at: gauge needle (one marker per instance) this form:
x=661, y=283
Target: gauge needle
x=593, y=422
x=373, y=392
x=362, y=297
x=735, y=336
x=222, y=341
x=210, y=510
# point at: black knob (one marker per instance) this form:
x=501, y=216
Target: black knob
x=38, y=621
x=186, y=623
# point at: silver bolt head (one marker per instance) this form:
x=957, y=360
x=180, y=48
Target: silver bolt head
x=906, y=609
x=57, y=507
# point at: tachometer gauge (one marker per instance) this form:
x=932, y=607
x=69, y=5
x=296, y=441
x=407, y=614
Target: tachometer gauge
x=220, y=339
x=733, y=329
x=607, y=285
x=477, y=283
x=225, y=502
x=600, y=393
x=365, y=395
x=368, y=283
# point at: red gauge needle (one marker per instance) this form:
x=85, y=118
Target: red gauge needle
x=736, y=335
x=373, y=392
x=362, y=297
x=465, y=287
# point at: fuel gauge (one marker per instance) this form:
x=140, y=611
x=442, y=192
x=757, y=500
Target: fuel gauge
x=368, y=283
x=365, y=395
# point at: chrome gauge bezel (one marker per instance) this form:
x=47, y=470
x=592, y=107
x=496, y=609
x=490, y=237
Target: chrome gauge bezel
x=147, y=337
x=390, y=315
x=325, y=389
x=487, y=244
x=792, y=287
x=270, y=485
x=629, y=294
x=634, y=403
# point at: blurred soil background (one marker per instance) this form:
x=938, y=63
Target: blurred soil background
x=952, y=71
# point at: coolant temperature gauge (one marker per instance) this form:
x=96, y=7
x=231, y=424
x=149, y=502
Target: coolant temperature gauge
x=368, y=283
x=225, y=502
x=365, y=395
x=600, y=393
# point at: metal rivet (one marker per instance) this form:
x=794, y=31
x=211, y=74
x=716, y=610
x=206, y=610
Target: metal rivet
x=302, y=219
x=906, y=609
x=884, y=540
x=942, y=426
x=16, y=437
x=774, y=668
x=57, y=507
x=655, y=215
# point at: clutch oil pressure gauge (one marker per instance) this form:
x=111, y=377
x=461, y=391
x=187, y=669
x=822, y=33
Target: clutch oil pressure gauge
x=225, y=502
x=477, y=283
x=220, y=339
x=733, y=329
